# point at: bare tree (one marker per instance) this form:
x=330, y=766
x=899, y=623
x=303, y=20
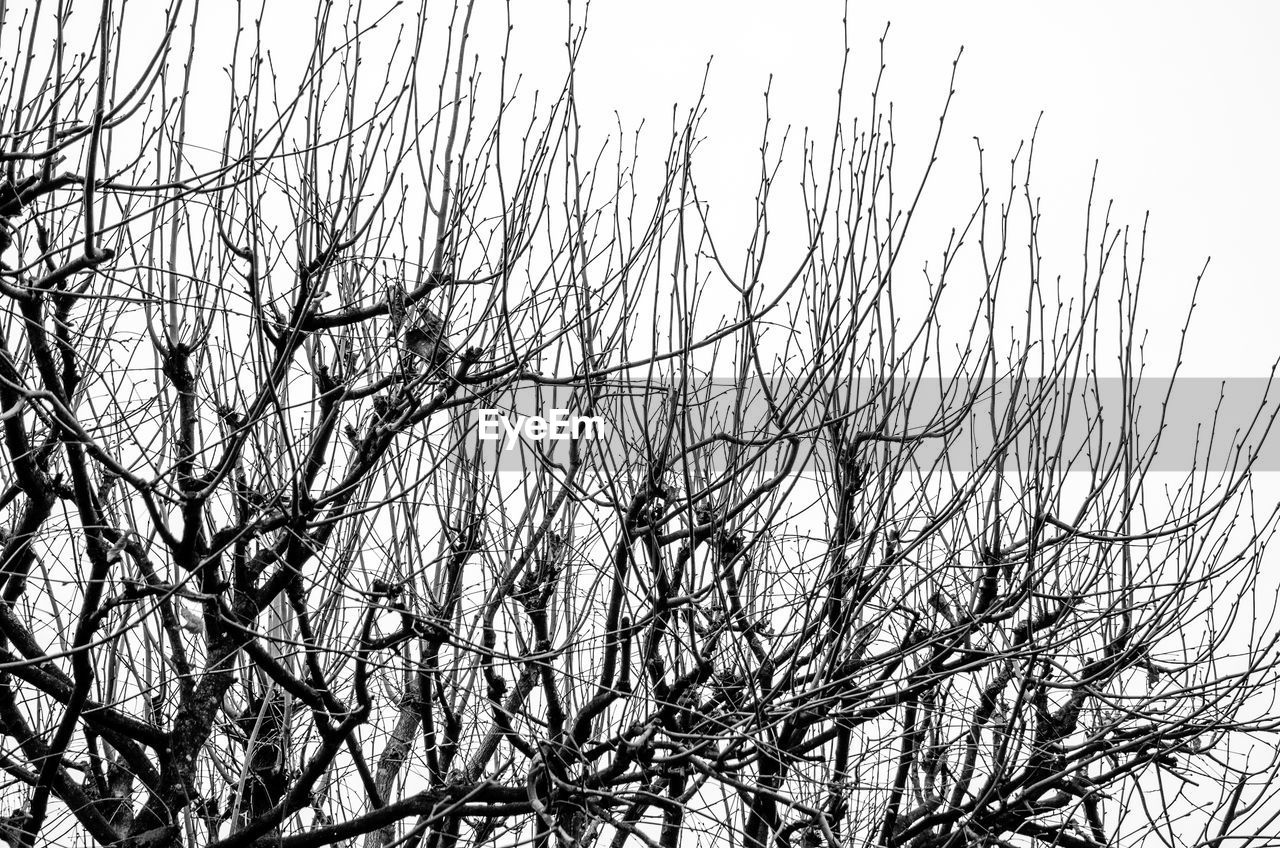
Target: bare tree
x=832, y=574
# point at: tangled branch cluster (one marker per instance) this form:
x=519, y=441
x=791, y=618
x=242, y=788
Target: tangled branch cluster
x=261, y=583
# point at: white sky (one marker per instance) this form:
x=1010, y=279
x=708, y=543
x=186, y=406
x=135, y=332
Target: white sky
x=1178, y=101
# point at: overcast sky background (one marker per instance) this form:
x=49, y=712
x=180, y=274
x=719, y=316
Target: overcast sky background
x=1179, y=106
x=1178, y=102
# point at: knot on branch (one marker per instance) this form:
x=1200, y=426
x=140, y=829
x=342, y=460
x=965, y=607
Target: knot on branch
x=228, y=416
x=384, y=588
x=175, y=365
x=728, y=545
x=534, y=591
x=431, y=625
x=9, y=200
x=465, y=538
